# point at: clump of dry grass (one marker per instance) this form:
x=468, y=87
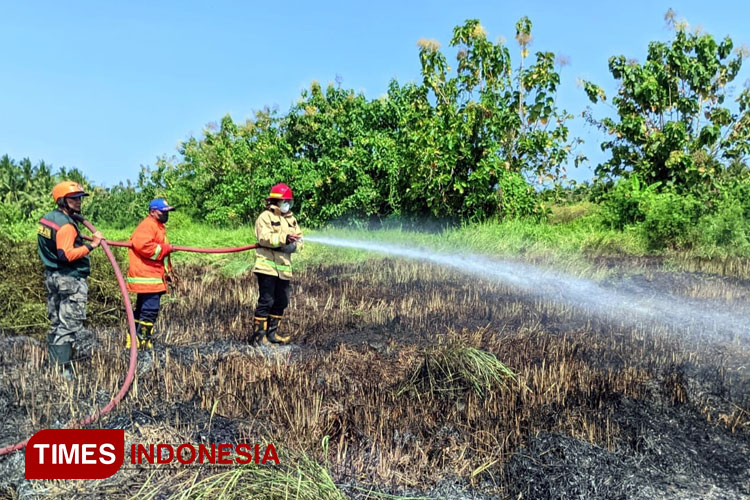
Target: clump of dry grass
x=453, y=369
x=299, y=477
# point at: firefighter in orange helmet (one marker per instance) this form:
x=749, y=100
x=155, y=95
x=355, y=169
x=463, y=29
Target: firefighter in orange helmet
x=66, y=268
x=147, y=272
x=278, y=237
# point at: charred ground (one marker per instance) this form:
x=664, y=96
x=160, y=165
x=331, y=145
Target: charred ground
x=390, y=387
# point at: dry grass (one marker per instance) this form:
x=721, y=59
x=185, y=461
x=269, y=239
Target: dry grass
x=451, y=370
x=408, y=373
x=305, y=479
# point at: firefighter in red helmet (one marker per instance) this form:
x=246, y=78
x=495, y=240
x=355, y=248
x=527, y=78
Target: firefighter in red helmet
x=279, y=236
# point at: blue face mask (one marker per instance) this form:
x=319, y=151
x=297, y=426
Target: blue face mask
x=285, y=206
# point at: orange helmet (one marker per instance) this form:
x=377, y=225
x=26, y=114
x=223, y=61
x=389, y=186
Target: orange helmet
x=280, y=192
x=67, y=189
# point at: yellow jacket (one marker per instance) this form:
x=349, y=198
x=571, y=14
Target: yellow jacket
x=271, y=230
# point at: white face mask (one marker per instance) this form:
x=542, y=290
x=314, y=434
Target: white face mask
x=285, y=206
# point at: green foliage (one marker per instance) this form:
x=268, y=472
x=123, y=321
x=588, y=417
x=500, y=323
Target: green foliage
x=729, y=225
x=462, y=145
x=669, y=218
x=488, y=122
x=347, y=162
x=120, y=206
x=517, y=199
x=624, y=203
x=448, y=147
x=26, y=193
x=673, y=125
x=26, y=189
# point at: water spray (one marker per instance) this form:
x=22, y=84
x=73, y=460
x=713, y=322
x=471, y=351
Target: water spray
x=637, y=307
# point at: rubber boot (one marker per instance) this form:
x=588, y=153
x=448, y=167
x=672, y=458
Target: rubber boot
x=273, y=331
x=59, y=357
x=144, y=331
x=260, y=329
x=149, y=333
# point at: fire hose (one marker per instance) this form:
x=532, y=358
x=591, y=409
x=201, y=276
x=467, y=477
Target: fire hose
x=131, y=325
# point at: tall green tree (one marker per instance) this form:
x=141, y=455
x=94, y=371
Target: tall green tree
x=344, y=152
x=673, y=122
x=487, y=122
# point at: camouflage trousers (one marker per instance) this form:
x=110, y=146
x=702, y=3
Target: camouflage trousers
x=66, y=306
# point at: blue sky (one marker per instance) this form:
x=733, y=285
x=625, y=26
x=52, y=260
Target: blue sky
x=109, y=86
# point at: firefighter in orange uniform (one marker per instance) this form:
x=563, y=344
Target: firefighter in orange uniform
x=147, y=272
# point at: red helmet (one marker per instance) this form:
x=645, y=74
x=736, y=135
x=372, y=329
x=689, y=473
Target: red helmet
x=280, y=192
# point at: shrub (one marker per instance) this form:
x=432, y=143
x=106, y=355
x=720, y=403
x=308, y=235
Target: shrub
x=622, y=206
x=669, y=218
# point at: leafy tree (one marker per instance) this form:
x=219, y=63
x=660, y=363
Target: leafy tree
x=487, y=121
x=26, y=188
x=345, y=155
x=673, y=124
x=225, y=176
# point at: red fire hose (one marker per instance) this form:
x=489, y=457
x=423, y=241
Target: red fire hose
x=131, y=325
x=127, y=244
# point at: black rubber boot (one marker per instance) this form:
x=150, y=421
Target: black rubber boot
x=273, y=331
x=260, y=330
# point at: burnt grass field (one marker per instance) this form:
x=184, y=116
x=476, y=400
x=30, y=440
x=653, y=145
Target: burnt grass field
x=406, y=379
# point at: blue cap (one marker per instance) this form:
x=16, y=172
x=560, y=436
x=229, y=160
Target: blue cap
x=159, y=204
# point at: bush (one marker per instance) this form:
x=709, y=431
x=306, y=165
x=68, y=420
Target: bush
x=622, y=205
x=669, y=218
x=518, y=199
x=728, y=226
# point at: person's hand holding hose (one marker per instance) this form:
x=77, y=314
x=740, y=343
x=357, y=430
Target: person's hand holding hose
x=97, y=239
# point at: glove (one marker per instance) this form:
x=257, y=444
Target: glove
x=291, y=238
x=166, y=249
x=289, y=247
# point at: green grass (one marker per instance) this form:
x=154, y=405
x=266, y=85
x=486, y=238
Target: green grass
x=568, y=247
x=570, y=243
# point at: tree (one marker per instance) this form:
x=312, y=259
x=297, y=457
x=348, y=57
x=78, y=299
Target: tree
x=344, y=154
x=672, y=123
x=487, y=123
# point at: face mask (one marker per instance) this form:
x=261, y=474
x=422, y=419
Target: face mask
x=163, y=217
x=285, y=206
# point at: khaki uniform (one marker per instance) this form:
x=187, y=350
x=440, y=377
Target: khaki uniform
x=271, y=230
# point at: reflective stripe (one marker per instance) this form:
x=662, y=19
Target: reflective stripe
x=270, y=263
x=156, y=253
x=145, y=281
x=275, y=239
x=50, y=224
